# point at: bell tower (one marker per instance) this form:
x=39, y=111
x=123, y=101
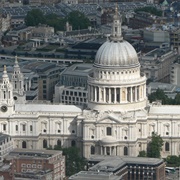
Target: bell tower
x=18, y=84
x=6, y=95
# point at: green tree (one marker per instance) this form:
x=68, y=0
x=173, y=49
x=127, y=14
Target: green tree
x=158, y=95
x=78, y=20
x=74, y=162
x=155, y=146
x=55, y=21
x=173, y=160
x=177, y=99
x=150, y=9
x=35, y=17
x=142, y=154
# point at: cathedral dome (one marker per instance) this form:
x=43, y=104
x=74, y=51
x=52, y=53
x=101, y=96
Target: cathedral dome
x=116, y=53
x=116, y=83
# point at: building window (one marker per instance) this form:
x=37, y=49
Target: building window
x=44, y=143
x=24, y=127
x=59, y=142
x=92, y=150
x=16, y=127
x=73, y=143
x=33, y=165
x=4, y=127
x=39, y=166
x=167, y=146
x=108, y=131
x=31, y=127
x=23, y=165
x=24, y=144
x=125, y=151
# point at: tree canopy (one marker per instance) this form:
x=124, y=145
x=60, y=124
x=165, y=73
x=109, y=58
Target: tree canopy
x=150, y=9
x=160, y=95
x=142, y=154
x=74, y=162
x=78, y=20
x=35, y=17
x=55, y=21
x=155, y=146
x=75, y=18
x=173, y=160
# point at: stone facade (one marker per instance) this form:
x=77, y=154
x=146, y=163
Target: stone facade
x=117, y=121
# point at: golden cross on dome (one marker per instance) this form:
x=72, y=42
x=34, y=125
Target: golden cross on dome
x=116, y=9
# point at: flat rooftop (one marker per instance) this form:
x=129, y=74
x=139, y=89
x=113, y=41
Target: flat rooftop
x=111, y=160
x=51, y=108
x=109, y=165
x=89, y=175
x=164, y=86
x=78, y=70
x=158, y=52
x=30, y=153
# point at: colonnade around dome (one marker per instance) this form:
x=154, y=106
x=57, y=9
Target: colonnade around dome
x=116, y=95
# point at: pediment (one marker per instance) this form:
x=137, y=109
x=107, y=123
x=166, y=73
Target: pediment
x=109, y=118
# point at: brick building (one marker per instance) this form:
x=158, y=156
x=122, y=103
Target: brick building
x=34, y=164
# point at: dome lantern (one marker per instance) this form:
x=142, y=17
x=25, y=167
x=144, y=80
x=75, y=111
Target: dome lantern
x=116, y=27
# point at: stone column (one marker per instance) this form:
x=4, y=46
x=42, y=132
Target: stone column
x=100, y=94
x=95, y=94
x=91, y=93
x=110, y=95
x=159, y=125
x=104, y=94
x=101, y=150
x=110, y=150
x=115, y=100
x=115, y=150
x=144, y=91
x=105, y=150
x=135, y=93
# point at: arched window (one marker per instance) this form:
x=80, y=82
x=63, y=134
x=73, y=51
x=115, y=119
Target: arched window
x=44, y=143
x=73, y=143
x=167, y=146
x=92, y=150
x=108, y=131
x=125, y=151
x=24, y=144
x=58, y=142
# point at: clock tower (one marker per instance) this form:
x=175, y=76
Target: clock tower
x=6, y=95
